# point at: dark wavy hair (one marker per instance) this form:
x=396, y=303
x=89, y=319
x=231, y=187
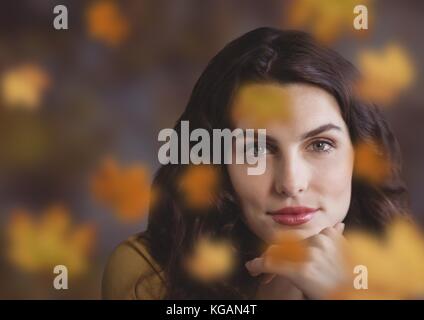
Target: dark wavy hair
x=263, y=55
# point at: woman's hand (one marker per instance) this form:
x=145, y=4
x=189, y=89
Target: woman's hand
x=321, y=273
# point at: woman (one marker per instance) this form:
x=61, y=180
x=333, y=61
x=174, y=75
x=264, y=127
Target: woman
x=309, y=189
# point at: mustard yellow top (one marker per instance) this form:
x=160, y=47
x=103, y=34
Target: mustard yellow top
x=132, y=274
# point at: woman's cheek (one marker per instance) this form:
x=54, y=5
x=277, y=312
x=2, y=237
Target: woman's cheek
x=335, y=187
x=251, y=189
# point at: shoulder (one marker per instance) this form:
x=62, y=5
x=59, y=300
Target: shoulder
x=132, y=273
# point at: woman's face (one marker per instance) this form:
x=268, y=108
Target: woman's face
x=309, y=163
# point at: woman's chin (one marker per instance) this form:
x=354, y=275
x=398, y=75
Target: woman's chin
x=295, y=232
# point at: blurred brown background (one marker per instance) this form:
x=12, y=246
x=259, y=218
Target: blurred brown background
x=105, y=87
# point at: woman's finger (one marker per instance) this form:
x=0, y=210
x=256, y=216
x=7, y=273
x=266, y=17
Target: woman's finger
x=256, y=266
x=260, y=265
x=321, y=241
x=335, y=234
x=340, y=227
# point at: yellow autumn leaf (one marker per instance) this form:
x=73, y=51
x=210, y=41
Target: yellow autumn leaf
x=199, y=185
x=395, y=263
x=106, y=23
x=386, y=73
x=211, y=260
x=126, y=190
x=327, y=20
x=257, y=105
x=24, y=86
x=288, y=249
x=38, y=244
x=371, y=164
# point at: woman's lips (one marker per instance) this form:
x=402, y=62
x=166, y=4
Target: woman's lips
x=293, y=216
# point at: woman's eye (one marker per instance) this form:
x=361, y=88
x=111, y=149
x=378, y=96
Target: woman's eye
x=257, y=150
x=322, y=146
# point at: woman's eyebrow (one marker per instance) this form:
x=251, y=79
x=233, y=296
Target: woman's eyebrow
x=268, y=138
x=320, y=129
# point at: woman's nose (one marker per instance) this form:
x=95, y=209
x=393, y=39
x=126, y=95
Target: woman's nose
x=291, y=176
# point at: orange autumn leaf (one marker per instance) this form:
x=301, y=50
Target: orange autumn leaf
x=257, y=105
x=211, y=260
x=395, y=263
x=126, y=190
x=327, y=20
x=370, y=163
x=289, y=249
x=24, y=86
x=199, y=185
x=106, y=23
x=385, y=73
x=38, y=244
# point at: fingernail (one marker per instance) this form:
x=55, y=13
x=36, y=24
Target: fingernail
x=247, y=265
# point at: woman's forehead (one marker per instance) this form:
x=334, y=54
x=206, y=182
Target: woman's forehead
x=296, y=107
